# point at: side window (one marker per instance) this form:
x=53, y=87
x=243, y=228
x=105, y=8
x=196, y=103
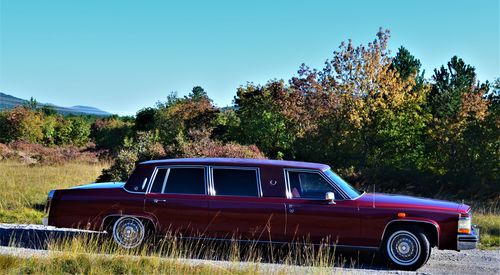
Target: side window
x=179, y=181
x=309, y=185
x=235, y=182
x=138, y=181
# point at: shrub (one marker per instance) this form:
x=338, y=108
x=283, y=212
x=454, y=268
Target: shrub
x=145, y=147
x=79, y=131
x=109, y=133
x=21, y=123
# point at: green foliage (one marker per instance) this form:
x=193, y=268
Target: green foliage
x=262, y=119
x=109, y=133
x=198, y=93
x=144, y=147
x=180, y=119
x=80, y=131
x=145, y=119
x=36, y=126
x=21, y=124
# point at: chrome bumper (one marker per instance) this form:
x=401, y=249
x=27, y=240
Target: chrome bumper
x=468, y=241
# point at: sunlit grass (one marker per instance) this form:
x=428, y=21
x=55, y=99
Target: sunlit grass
x=489, y=224
x=99, y=264
x=98, y=254
x=24, y=188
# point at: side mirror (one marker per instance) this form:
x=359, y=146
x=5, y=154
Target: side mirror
x=330, y=197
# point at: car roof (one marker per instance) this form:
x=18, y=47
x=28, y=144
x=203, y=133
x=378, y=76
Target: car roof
x=241, y=161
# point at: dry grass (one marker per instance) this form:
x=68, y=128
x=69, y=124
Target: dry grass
x=98, y=254
x=24, y=188
x=98, y=264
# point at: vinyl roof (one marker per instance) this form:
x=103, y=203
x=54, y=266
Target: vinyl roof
x=241, y=161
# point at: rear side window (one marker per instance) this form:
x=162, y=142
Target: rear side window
x=179, y=181
x=235, y=182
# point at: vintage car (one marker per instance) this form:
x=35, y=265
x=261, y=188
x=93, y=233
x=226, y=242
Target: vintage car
x=263, y=201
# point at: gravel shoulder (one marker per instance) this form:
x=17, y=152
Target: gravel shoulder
x=29, y=241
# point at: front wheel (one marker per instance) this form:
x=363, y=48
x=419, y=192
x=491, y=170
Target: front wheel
x=407, y=248
x=128, y=232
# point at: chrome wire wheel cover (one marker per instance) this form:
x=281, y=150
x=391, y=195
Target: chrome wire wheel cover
x=128, y=232
x=403, y=247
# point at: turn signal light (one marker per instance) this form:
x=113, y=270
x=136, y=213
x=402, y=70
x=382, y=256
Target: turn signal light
x=401, y=215
x=464, y=224
x=464, y=230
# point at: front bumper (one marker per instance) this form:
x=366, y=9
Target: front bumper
x=468, y=241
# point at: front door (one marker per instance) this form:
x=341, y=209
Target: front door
x=311, y=218
x=178, y=199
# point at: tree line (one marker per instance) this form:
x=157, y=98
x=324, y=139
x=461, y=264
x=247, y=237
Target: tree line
x=371, y=115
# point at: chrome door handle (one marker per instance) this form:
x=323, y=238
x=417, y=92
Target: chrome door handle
x=291, y=210
x=157, y=200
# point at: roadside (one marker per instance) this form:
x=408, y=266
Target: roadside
x=30, y=243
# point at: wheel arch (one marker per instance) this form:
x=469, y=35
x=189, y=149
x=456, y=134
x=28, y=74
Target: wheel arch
x=430, y=227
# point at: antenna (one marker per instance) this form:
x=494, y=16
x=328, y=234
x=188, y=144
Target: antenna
x=373, y=196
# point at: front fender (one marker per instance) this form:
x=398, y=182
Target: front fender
x=436, y=229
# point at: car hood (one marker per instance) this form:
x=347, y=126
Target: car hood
x=408, y=202
x=100, y=185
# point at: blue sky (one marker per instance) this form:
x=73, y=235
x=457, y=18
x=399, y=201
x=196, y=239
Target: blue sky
x=121, y=56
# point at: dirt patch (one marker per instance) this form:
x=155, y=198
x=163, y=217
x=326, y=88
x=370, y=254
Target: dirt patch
x=32, y=154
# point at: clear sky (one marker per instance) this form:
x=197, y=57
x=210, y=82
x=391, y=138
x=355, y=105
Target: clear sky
x=121, y=56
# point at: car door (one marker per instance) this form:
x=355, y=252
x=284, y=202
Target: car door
x=177, y=197
x=238, y=210
x=311, y=218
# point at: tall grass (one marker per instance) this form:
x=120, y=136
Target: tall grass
x=99, y=264
x=98, y=254
x=24, y=188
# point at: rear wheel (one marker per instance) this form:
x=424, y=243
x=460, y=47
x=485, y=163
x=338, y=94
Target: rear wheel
x=128, y=232
x=407, y=248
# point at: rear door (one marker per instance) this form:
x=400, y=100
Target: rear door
x=238, y=210
x=177, y=197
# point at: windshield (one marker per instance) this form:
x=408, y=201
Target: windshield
x=351, y=191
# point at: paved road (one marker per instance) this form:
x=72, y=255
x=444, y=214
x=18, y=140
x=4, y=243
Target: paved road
x=31, y=240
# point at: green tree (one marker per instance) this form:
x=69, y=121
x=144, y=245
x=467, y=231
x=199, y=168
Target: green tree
x=262, y=119
x=145, y=119
x=79, y=131
x=181, y=119
x=198, y=93
x=110, y=132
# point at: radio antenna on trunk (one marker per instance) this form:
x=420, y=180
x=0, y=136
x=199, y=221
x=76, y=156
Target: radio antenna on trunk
x=373, y=196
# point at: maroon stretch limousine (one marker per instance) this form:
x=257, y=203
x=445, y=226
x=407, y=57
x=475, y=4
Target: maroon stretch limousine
x=265, y=201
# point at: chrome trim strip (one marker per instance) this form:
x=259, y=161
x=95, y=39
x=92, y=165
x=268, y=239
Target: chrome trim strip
x=151, y=180
x=468, y=241
x=328, y=180
x=166, y=178
x=410, y=220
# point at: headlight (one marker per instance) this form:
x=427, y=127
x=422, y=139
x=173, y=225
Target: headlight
x=464, y=224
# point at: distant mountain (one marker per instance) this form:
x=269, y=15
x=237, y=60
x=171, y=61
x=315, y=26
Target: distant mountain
x=9, y=102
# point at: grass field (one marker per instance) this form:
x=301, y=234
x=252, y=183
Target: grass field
x=24, y=188
x=24, y=191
